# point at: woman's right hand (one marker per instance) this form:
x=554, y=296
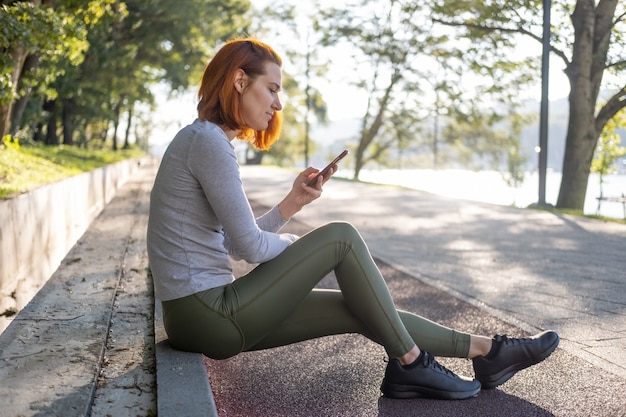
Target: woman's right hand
x=301, y=193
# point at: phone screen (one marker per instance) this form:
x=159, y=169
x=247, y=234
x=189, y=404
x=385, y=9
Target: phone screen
x=339, y=157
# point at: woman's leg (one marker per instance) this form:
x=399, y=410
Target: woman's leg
x=274, y=304
x=325, y=313
x=274, y=291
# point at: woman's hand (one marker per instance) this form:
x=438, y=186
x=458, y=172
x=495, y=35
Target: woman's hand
x=301, y=194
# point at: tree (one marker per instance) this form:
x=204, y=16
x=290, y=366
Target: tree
x=144, y=43
x=608, y=150
x=302, y=101
x=405, y=64
x=125, y=47
x=39, y=39
x=482, y=141
x=387, y=36
x=588, y=38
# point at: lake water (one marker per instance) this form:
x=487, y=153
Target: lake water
x=489, y=187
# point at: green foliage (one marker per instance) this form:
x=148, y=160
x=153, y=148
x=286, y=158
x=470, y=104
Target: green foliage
x=415, y=70
x=483, y=140
x=588, y=39
x=57, y=36
x=608, y=148
x=395, y=52
x=159, y=41
x=303, y=70
x=25, y=167
x=92, y=61
x=516, y=172
x=10, y=143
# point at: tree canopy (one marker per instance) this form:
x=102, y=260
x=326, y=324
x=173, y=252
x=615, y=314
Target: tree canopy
x=84, y=64
x=415, y=74
x=397, y=42
x=71, y=71
x=588, y=38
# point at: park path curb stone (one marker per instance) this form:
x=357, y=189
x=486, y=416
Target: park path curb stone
x=126, y=384
x=183, y=386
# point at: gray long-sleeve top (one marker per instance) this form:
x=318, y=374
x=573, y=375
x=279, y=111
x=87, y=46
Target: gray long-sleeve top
x=199, y=215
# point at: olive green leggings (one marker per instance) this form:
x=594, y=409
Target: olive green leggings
x=275, y=304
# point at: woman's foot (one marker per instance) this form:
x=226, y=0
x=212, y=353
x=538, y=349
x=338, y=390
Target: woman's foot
x=509, y=355
x=426, y=378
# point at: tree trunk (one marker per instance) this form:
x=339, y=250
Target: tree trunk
x=68, y=121
x=31, y=62
x=592, y=28
x=18, y=57
x=5, y=118
x=580, y=144
x=38, y=133
x=254, y=157
x=51, y=134
x=368, y=134
x=128, y=126
x=116, y=122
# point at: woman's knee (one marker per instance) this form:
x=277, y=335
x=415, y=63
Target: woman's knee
x=340, y=230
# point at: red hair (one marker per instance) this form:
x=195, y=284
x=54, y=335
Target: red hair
x=220, y=103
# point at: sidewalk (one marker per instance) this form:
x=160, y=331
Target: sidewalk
x=476, y=267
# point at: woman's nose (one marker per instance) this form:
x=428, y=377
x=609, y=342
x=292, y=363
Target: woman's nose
x=277, y=105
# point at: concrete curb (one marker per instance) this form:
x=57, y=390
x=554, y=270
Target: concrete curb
x=183, y=387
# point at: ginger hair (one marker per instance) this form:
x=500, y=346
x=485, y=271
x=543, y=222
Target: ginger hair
x=218, y=100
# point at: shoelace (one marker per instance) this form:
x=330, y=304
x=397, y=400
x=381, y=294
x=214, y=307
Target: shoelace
x=502, y=338
x=429, y=361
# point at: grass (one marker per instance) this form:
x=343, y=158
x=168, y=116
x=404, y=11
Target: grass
x=591, y=216
x=25, y=167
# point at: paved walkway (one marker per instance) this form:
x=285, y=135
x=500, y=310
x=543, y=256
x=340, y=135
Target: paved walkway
x=476, y=267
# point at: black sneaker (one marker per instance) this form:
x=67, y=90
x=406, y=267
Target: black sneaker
x=425, y=378
x=509, y=356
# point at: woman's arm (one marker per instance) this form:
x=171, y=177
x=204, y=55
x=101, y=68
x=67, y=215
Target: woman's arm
x=213, y=162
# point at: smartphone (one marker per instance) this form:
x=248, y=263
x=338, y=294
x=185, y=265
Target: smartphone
x=339, y=157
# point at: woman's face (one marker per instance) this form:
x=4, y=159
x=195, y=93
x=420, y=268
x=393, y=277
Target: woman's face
x=259, y=97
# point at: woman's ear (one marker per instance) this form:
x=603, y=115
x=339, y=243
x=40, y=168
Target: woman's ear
x=241, y=79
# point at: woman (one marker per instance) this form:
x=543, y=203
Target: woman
x=199, y=215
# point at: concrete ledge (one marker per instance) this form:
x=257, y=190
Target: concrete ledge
x=84, y=345
x=183, y=387
x=44, y=224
